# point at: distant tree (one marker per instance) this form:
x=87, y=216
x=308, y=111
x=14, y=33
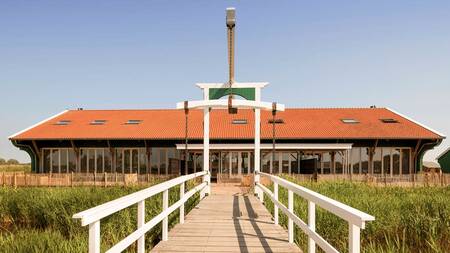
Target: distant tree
x=2, y=161
x=12, y=161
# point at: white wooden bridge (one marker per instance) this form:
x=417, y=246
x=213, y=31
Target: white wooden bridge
x=229, y=219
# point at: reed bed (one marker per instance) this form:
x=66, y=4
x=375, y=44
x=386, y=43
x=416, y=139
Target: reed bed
x=407, y=219
x=40, y=219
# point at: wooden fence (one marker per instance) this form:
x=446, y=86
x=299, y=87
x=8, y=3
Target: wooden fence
x=19, y=179
x=421, y=179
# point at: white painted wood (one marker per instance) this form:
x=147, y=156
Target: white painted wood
x=257, y=147
x=206, y=177
x=303, y=226
x=275, y=207
x=354, y=217
x=130, y=239
x=290, y=221
x=165, y=222
x=354, y=238
x=182, y=205
x=94, y=237
x=140, y=223
x=103, y=210
x=223, y=103
x=343, y=211
x=312, y=225
x=257, y=85
x=268, y=146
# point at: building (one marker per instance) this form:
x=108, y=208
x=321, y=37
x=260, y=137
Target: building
x=372, y=140
x=444, y=160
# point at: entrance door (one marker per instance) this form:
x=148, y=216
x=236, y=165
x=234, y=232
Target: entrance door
x=130, y=160
x=214, y=165
x=224, y=166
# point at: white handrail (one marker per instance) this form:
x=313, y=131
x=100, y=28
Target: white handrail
x=93, y=215
x=354, y=217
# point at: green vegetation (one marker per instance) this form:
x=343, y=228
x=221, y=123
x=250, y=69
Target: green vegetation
x=407, y=219
x=15, y=168
x=40, y=219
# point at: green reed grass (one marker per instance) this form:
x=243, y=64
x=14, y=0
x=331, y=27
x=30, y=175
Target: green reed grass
x=40, y=219
x=407, y=219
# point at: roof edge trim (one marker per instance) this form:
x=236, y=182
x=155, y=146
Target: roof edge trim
x=418, y=123
x=443, y=153
x=37, y=124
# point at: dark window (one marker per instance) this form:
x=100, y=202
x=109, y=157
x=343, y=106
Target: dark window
x=277, y=121
x=389, y=120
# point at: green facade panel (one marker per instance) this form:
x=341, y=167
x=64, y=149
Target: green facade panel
x=444, y=161
x=217, y=93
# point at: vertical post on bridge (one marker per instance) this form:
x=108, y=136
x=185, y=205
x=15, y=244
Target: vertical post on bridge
x=259, y=193
x=207, y=177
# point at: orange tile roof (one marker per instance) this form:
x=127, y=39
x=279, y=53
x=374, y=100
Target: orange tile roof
x=299, y=123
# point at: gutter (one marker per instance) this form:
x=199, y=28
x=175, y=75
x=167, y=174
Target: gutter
x=30, y=151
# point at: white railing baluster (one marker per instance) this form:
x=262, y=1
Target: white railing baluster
x=182, y=206
x=165, y=222
x=312, y=225
x=353, y=238
x=275, y=207
x=140, y=223
x=93, y=215
x=354, y=217
x=94, y=237
x=290, y=221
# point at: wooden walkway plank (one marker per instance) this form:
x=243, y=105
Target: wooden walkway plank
x=230, y=220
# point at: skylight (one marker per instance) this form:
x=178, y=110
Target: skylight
x=98, y=122
x=63, y=122
x=389, y=120
x=277, y=121
x=133, y=122
x=350, y=121
x=239, y=121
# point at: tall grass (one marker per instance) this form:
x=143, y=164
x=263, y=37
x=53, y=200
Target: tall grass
x=40, y=219
x=407, y=219
x=15, y=168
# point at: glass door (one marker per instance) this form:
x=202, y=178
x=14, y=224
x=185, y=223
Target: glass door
x=214, y=165
x=224, y=166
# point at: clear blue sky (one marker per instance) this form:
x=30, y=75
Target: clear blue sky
x=57, y=55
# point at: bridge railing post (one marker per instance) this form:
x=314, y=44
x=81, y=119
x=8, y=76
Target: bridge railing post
x=353, y=238
x=182, y=206
x=275, y=207
x=140, y=223
x=94, y=237
x=290, y=221
x=312, y=225
x=165, y=222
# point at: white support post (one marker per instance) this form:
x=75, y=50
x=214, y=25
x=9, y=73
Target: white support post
x=94, y=237
x=207, y=177
x=275, y=207
x=312, y=225
x=182, y=205
x=140, y=223
x=290, y=221
x=165, y=222
x=353, y=238
x=258, y=191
